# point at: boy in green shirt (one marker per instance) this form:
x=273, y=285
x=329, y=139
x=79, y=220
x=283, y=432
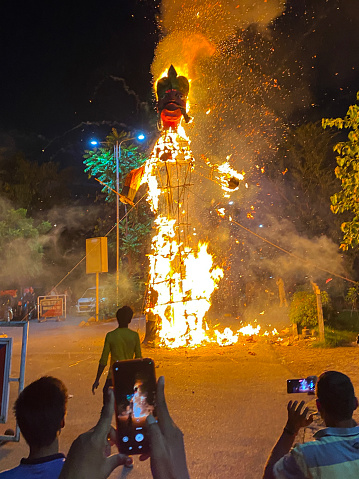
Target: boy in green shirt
x=121, y=343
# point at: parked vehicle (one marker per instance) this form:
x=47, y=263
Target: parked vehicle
x=87, y=302
x=18, y=304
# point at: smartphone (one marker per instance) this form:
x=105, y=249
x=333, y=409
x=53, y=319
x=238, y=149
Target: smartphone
x=305, y=385
x=134, y=383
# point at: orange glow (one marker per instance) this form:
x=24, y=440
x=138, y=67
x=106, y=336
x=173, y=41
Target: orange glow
x=181, y=270
x=182, y=273
x=221, y=212
x=249, y=330
x=182, y=51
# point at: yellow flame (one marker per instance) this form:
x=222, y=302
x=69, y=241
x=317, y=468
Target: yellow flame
x=225, y=173
x=221, y=212
x=182, y=272
x=182, y=301
x=226, y=338
x=249, y=330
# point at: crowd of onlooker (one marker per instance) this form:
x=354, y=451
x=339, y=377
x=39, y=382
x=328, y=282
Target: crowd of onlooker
x=40, y=411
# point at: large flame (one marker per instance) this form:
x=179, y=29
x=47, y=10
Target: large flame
x=183, y=292
x=182, y=274
x=181, y=269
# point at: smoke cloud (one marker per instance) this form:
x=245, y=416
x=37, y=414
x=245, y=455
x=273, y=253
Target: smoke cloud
x=244, y=86
x=217, y=20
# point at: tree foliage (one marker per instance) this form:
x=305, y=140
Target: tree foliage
x=347, y=171
x=303, y=308
x=100, y=162
x=304, y=179
x=352, y=296
x=34, y=186
x=21, y=246
x=135, y=229
x=138, y=227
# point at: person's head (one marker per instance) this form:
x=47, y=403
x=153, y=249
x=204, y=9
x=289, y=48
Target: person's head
x=124, y=316
x=336, y=398
x=40, y=411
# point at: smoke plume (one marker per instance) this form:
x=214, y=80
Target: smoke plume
x=244, y=85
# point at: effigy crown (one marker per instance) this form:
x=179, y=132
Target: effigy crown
x=172, y=82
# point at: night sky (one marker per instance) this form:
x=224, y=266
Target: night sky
x=90, y=63
x=54, y=59
x=71, y=73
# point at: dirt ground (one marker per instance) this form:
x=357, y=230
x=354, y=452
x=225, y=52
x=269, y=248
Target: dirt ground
x=304, y=360
x=230, y=402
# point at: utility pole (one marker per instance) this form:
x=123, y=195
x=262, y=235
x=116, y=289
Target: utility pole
x=117, y=155
x=319, y=311
x=117, y=159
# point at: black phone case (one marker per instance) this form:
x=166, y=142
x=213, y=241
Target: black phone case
x=134, y=383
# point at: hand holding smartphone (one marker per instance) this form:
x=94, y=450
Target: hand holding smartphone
x=134, y=383
x=305, y=385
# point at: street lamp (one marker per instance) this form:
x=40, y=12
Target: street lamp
x=117, y=155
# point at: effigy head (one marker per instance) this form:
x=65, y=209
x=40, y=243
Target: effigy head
x=172, y=92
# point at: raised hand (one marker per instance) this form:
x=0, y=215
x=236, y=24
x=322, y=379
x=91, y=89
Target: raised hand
x=168, y=456
x=87, y=456
x=297, y=417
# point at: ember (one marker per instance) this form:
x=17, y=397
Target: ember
x=182, y=275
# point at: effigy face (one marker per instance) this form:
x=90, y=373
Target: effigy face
x=172, y=92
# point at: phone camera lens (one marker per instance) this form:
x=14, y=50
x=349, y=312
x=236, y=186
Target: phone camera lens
x=125, y=439
x=139, y=437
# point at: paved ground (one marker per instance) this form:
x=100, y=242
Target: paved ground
x=229, y=402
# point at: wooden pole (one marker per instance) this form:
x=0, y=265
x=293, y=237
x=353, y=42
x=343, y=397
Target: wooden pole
x=117, y=153
x=97, y=281
x=295, y=331
x=319, y=311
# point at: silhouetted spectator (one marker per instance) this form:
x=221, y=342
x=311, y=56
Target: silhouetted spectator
x=40, y=412
x=121, y=343
x=335, y=452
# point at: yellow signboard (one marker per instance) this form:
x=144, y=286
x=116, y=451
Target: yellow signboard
x=96, y=255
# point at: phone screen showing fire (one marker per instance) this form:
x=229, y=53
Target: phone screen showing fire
x=306, y=385
x=134, y=387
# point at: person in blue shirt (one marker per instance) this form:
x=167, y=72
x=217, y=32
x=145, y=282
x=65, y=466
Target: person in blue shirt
x=40, y=412
x=335, y=452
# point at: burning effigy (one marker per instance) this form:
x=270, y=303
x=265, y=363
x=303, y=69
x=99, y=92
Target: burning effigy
x=182, y=274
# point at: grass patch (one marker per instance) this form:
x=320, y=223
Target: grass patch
x=335, y=338
x=345, y=320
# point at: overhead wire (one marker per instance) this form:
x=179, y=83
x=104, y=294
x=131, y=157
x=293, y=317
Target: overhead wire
x=113, y=227
x=293, y=254
x=280, y=248
x=231, y=220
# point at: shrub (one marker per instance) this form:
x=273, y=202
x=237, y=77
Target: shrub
x=303, y=308
x=352, y=297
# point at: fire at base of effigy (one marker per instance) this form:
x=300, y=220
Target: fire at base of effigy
x=182, y=274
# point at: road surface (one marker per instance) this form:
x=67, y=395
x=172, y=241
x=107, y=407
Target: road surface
x=229, y=402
